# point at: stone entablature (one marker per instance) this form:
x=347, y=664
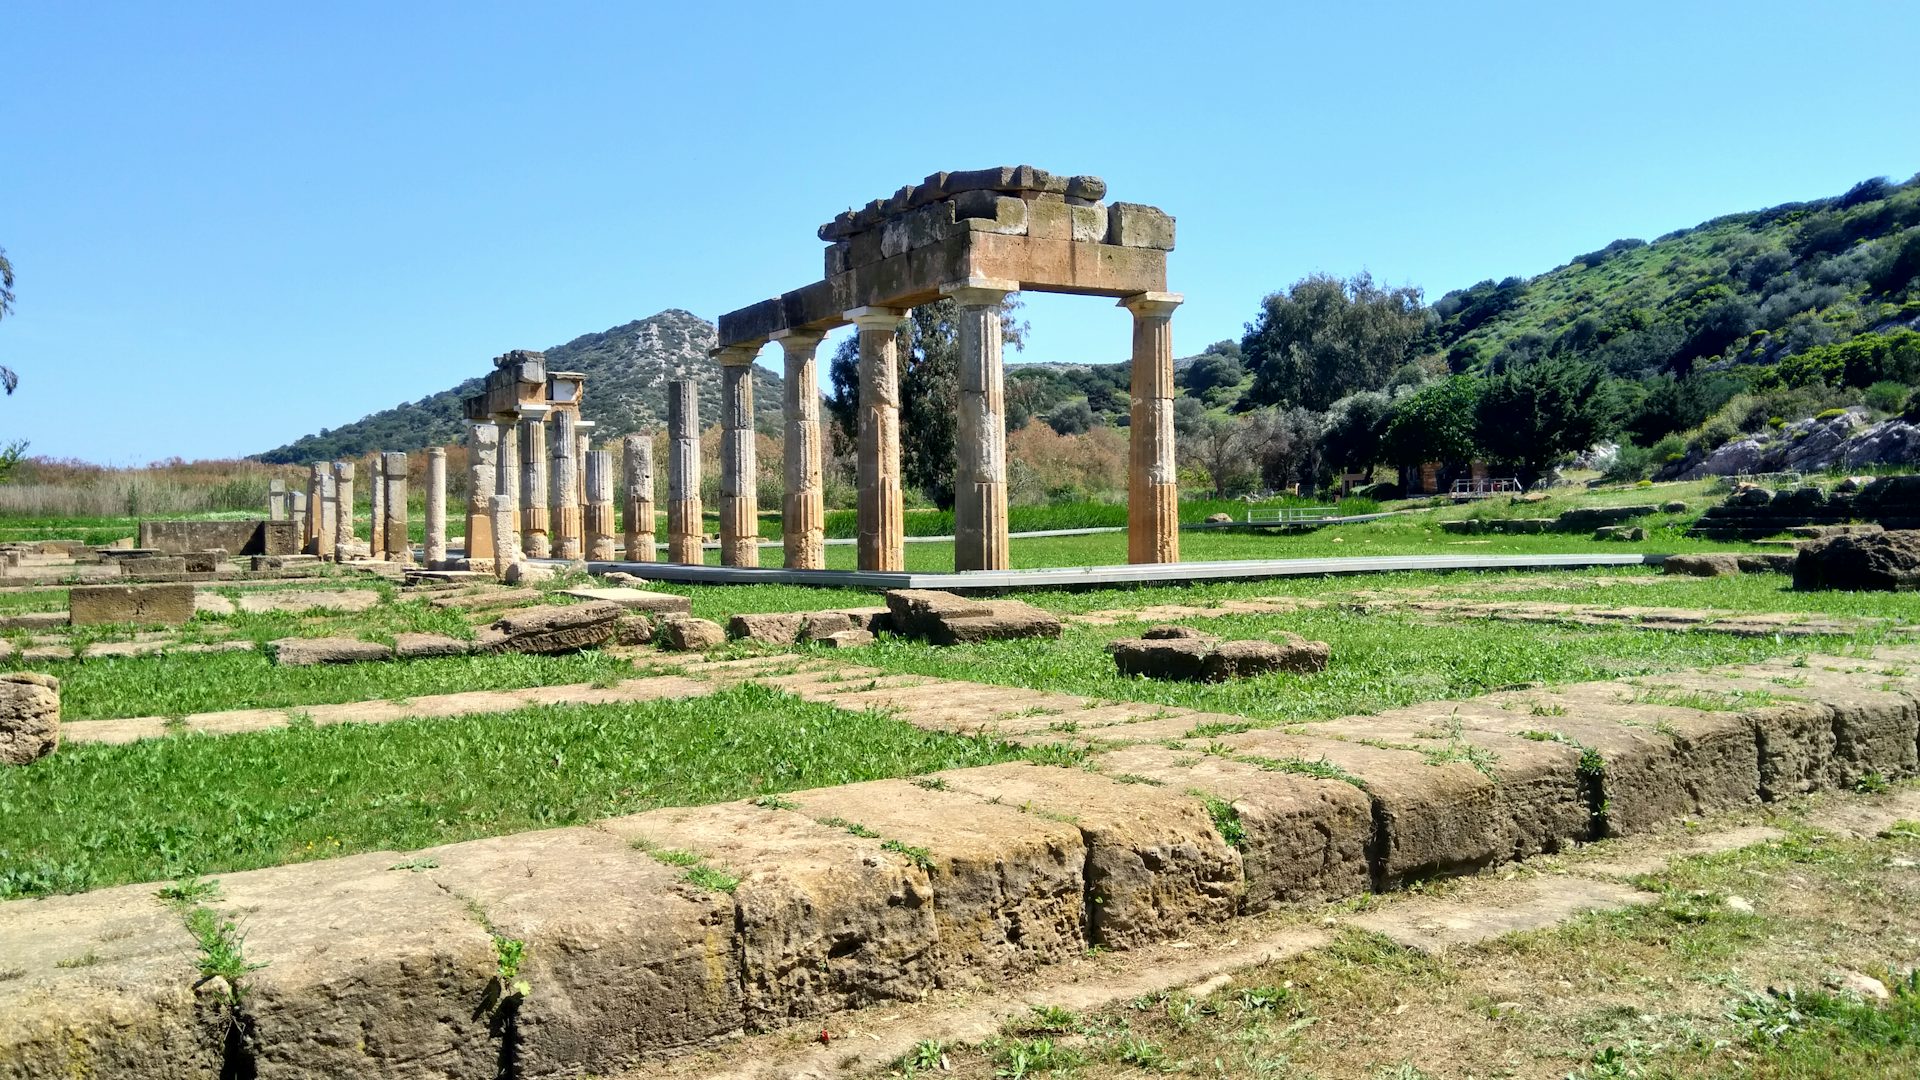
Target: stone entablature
x=1018, y=224
x=517, y=387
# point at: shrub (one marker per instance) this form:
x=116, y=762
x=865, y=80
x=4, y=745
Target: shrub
x=1887, y=396
x=1829, y=414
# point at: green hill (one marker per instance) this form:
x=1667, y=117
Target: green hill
x=627, y=371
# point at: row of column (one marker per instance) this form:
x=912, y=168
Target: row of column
x=323, y=514
x=980, y=481
x=537, y=490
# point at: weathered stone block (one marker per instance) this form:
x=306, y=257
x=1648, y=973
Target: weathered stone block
x=153, y=566
x=1088, y=224
x=1049, y=218
x=637, y=600
x=1885, y=562
x=984, y=211
x=769, y=628
x=29, y=716
x=1007, y=886
x=684, y=633
x=555, y=628
x=1137, y=226
x=92, y=605
x=1709, y=565
x=826, y=920
x=1011, y=178
x=422, y=646
x=843, y=639
x=1249, y=659
x=1155, y=864
x=945, y=619
x=307, y=652
x=623, y=958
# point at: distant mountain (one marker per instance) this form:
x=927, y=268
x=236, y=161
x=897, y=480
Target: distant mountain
x=627, y=371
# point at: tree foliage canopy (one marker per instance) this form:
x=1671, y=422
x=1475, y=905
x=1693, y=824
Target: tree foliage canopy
x=1325, y=338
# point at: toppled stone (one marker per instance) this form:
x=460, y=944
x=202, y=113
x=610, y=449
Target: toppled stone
x=1179, y=659
x=1247, y=659
x=1883, y=562
x=554, y=628
x=92, y=605
x=632, y=630
x=1620, y=532
x=844, y=639
x=307, y=652
x=652, y=603
x=1778, y=563
x=1711, y=565
x=945, y=619
x=422, y=646
x=816, y=625
x=154, y=566
x=1176, y=632
x=1677, y=506
x=1219, y=519
x=29, y=716
x=767, y=628
x=684, y=633
x=526, y=573
x=1190, y=656
x=623, y=580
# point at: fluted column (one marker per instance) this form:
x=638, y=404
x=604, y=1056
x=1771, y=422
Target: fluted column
x=377, y=503
x=502, y=510
x=980, y=443
x=803, y=511
x=344, y=532
x=483, y=461
x=881, y=505
x=637, y=465
x=436, y=552
x=683, y=473
x=1153, y=498
x=507, y=477
x=393, y=468
x=599, y=516
x=563, y=485
x=534, y=516
x=739, y=472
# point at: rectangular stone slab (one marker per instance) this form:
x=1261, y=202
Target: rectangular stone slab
x=1428, y=819
x=1155, y=865
x=624, y=959
x=643, y=600
x=1875, y=727
x=1008, y=888
x=370, y=971
x=1306, y=839
x=130, y=1011
x=91, y=605
x=826, y=920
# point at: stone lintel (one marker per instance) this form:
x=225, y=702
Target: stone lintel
x=1149, y=305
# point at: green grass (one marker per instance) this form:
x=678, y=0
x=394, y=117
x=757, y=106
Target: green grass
x=96, y=815
x=17, y=603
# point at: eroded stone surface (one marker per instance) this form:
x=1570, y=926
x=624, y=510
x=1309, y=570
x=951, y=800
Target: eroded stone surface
x=306, y=652
x=640, y=600
x=555, y=628
x=29, y=716
x=684, y=633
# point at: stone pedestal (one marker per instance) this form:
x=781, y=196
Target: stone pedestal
x=507, y=477
x=803, y=512
x=327, y=531
x=297, y=511
x=564, y=485
x=377, y=507
x=683, y=474
x=277, y=508
x=599, y=517
x=739, y=472
x=394, y=479
x=980, y=443
x=881, y=505
x=534, y=515
x=637, y=465
x=436, y=551
x=344, y=532
x=501, y=510
x=483, y=463
x=316, y=509
x=1153, y=497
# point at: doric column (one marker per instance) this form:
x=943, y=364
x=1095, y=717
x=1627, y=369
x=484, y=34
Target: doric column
x=683, y=473
x=582, y=444
x=502, y=510
x=436, y=507
x=1153, y=498
x=563, y=486
x=344, y=533
x=483, y=462
x=980, y=443
x=319, y=519
x=377, y=503
x=507, y=477
x=393, y=468
x=803, y=513
x=533, y=489
x=599, y=516
x=739, y=472
x=637, y=464
x=881, y=503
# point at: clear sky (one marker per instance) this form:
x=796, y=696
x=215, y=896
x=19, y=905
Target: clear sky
x=236, y=224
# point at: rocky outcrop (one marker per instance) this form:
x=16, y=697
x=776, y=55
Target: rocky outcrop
x=1882, y=562
x=1848, y=440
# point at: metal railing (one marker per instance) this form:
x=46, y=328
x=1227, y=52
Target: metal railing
x=1486, y=488
x=1287, y=515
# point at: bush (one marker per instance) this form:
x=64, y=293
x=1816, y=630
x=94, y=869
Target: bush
x=1887, y=396
x=1630, y=463
x=1829, y=414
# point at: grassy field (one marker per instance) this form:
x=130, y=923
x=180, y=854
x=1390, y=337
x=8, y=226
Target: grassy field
x=1692, y=986
x=96, y=815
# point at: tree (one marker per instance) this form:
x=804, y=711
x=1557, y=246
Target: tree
x=1217, y=445
x=1325, y=338
x=1434, y=424
x=1284, y=444
x=7, y=378
x=1355, y=427
x=928, y=343
x=1072, y=418
x=1531, y=415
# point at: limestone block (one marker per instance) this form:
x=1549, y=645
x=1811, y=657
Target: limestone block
x=945, y=619
x=982, y=211
x=815, y=625
x=421, y=646
x=826, y=920
x=29, y=716
x=770, y=628
x=307, y=652
x=839, y=258
x=843, y=639
x=1013, y=178
x=623, y=958
x=1049, y=218
x=91, y=605
x=684, y=633
x=1305, y=838
x=1708, y=565
x=555, y=628
x=653, y=603
x=370, y=971
x=100, y=984
x=1136, y=226
x=1429, y=819
x=153, y=565
x=1155, y=866
x=632, y=630
x=1089, y=223
x=1090, y=188
x=1007, y=886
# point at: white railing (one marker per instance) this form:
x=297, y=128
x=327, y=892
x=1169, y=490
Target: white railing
x=1287, y=515
x=1486, y=488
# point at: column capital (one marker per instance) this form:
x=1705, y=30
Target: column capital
x=979, y=291
x=876, y=318
x=1152, y=305
x=801, y=340
x=735, y=355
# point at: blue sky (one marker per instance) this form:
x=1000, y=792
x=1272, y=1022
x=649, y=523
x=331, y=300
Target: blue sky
x=236, y=224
